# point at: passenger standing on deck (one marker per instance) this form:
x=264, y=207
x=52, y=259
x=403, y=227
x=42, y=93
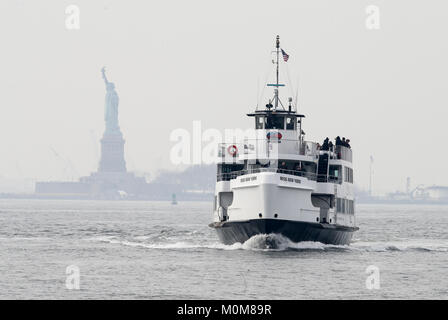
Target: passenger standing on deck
x=338, y=141
x=325, y=144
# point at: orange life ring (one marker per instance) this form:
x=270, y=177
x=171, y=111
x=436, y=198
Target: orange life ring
x=232, y=150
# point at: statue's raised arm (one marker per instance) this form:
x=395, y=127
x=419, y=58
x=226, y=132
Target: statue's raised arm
x=103, y=71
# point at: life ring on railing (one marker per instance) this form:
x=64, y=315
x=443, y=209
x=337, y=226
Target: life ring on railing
x=232, y=150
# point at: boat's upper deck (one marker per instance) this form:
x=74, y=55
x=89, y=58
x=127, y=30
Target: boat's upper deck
x=277, y=144
x=274, y=146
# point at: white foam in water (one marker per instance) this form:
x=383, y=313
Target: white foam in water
x=277, y=242
x=404, y=245
x=274, y=242
x=174, y=245
x=280, y=243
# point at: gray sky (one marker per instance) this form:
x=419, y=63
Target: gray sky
x=177, y=61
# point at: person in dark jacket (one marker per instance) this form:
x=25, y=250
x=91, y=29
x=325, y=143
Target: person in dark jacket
x=325, y=144
x=338, y=141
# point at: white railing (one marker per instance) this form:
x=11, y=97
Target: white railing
x=309, y=175
x=343, y=153
x=267, y=148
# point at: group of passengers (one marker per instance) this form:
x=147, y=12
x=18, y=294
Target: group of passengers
x=327, y=145
x=344, y=142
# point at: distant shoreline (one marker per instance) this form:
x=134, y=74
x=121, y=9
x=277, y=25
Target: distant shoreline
x=32, y=196
x=188, y=198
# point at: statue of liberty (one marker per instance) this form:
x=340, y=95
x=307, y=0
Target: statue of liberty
x=111, y=106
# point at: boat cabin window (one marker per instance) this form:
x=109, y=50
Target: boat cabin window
x=310, y=168
x=299, y=168
x=286, y=166
x=290, y=123
x=230, y=167
x=335, y=174
x=255, y=167
x=259, y=122
x=348, y=175
x=275, y=122
x=345, y=206
x=229, y=171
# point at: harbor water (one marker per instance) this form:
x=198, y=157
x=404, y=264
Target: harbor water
x=156, y=250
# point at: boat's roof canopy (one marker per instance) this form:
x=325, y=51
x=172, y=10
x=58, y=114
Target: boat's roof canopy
x=275, y=112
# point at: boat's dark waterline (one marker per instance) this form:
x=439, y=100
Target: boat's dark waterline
x=240, y=231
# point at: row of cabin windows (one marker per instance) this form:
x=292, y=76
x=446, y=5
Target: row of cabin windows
x=275, y=122
x=296, y=165
x=308, y=168
x=302, y=168
x=348, y=175
x=229, y=168
x=345, y=206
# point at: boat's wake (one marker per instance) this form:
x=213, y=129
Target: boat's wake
x=277, y=242
x=429, y=245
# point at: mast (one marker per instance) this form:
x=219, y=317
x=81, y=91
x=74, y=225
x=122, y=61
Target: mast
x=277, y=44
x=276, y=85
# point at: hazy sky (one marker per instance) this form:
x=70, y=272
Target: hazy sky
x=174, y=62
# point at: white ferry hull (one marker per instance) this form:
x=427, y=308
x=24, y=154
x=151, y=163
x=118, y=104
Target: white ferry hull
x=275, y=203
x=240, y=231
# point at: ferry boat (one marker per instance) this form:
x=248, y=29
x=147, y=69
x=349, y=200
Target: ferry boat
x=278, y=183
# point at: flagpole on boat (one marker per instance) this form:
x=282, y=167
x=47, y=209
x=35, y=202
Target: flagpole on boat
x=276, y=88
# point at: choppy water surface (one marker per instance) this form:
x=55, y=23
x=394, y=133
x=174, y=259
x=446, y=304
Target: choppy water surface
x=155, y=250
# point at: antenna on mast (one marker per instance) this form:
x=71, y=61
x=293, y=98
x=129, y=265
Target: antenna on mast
x=277, y=45
x=276, y=99
x=296, y=97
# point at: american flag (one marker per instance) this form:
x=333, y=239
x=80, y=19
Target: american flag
x=285, y=56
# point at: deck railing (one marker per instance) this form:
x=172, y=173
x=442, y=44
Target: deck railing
x=265, y=148
x=309, y=175
x=343, y=153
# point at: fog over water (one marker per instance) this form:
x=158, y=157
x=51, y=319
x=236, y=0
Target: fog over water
x=174, y=62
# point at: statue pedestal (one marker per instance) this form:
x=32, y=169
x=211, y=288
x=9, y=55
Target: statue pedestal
x=112, y=153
